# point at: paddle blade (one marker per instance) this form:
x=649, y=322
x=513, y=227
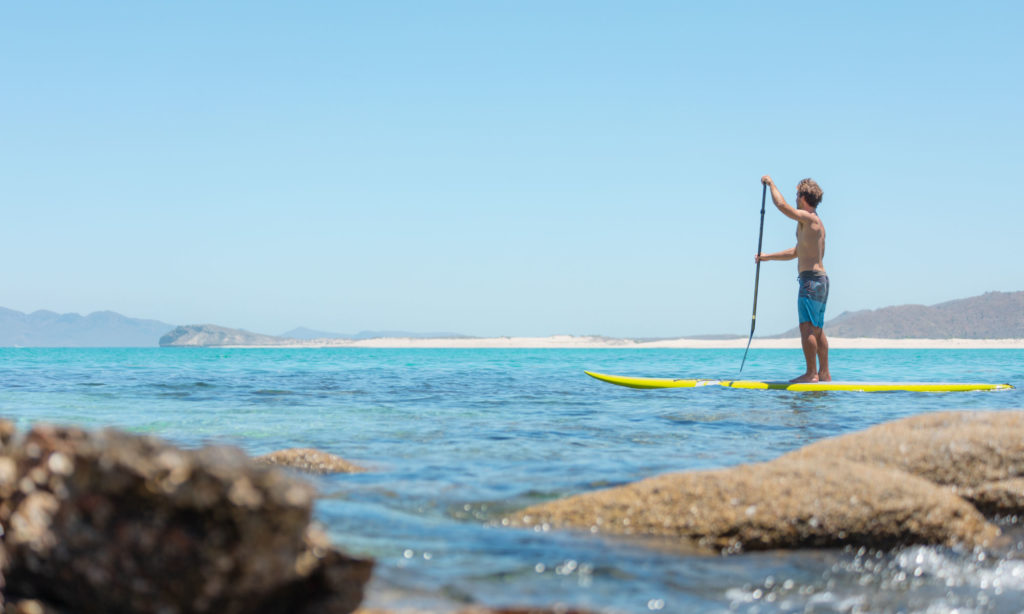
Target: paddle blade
x=757, y=275
x=745, y=353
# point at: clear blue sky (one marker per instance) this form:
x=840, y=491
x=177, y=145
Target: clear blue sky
x=502, y=168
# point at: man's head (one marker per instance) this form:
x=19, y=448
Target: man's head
x=810, y=191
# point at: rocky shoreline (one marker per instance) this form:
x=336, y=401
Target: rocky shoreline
x=928, y=479
x=111, y=522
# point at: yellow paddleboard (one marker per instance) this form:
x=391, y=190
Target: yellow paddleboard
x=659, y=382
x=653, y=382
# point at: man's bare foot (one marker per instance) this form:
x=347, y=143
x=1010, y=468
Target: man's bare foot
x=824, y=376
x=806, y=378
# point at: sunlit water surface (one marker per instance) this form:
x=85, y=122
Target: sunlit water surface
x=456, y=438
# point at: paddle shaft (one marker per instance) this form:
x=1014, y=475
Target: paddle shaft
x=757, y=275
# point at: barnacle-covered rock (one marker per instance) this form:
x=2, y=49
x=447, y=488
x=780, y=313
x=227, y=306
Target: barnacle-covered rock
x=784, y=503
x=112, y=522
x=309, y=460
x=979, y=455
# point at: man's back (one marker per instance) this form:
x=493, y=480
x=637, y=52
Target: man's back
x=810, y=244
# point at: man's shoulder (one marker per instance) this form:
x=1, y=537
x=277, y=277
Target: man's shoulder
x=808, y=217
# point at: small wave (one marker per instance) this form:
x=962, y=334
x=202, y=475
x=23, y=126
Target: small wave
x=183, y=386
x=981, y=570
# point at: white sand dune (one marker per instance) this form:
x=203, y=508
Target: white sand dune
x=595, y=342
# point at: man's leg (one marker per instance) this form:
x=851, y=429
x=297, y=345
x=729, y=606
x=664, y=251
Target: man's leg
x=823, y=374
x=809, y=342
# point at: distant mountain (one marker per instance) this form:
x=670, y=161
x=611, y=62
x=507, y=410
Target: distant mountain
x=993, y=315
x=99, y=329
x=307, y=333
x=210, y=335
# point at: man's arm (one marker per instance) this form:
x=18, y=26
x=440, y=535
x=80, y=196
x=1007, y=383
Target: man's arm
x=783, y=206
x=786, y=254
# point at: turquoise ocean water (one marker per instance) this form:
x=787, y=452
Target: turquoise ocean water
x=456, y=438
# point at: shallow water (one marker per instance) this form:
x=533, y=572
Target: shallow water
x=456, y=438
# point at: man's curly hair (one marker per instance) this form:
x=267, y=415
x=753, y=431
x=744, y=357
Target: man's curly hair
x=810, y=190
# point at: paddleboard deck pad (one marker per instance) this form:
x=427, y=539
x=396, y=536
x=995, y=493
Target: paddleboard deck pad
x=665, y=382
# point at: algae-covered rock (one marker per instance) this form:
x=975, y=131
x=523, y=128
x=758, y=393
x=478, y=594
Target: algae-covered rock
x=309, y=460
x=999, y=498
x=786, y=503
x=971, y=452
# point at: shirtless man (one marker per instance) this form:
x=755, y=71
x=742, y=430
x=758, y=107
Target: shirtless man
x=809, y=253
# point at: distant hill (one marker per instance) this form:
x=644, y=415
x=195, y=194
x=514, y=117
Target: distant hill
x=210, y=335
x=99, y=329
x=306, y=333
x=993, y=315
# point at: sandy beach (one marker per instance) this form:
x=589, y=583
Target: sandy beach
x=597, y=342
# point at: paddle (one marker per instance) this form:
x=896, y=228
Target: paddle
x=757, y=275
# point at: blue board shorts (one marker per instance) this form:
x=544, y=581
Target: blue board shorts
x=810, y=301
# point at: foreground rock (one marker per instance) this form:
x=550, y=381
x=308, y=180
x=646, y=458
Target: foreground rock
x=482, y=610
x=309, y=460
x=979, y=455
x=110, y=522
x=786, y=503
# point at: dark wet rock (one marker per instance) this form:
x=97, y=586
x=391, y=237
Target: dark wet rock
x=309, y=460
x=4, y=606
x=1001, y=498
x=111, y=522
x=979, y=455
x=7, y=431
x=34, y=606
x=786, y=503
